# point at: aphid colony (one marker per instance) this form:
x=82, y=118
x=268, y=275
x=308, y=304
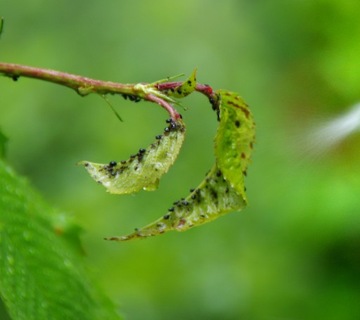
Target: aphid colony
x=222, y=190
x=211, y=199
x=144, y=169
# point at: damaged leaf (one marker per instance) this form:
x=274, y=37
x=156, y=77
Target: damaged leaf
x=211, y=199
x=234, y=139
x=144, y=169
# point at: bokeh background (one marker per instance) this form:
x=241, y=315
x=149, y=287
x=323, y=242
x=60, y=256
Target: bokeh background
x=294, y=253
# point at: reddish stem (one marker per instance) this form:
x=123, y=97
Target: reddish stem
x=82, y=85
x=167, y=106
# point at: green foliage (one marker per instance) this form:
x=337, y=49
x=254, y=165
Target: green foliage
x=294, y=252
x=42, y=275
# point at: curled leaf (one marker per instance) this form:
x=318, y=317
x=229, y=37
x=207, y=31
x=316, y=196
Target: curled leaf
x=234, y=139
x=144, y=169
x=223, y=189
x=211, y=199
x=187, y=87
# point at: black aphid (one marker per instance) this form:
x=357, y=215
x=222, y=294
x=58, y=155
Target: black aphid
x=131, y=97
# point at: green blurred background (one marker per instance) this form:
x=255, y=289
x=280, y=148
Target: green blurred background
x=294, y=253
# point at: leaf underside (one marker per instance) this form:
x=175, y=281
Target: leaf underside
x=223, y=189
x=143, y=170
x=211, y=199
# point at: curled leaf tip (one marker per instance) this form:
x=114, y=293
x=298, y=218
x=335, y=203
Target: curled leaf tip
x=185, y=88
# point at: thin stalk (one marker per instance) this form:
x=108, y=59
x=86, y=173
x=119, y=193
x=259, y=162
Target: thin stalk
x=84, y=86
x=155, y=92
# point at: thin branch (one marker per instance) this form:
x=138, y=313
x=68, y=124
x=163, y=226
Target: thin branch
x=84, y=86
x=80, y=84
x=155, y=92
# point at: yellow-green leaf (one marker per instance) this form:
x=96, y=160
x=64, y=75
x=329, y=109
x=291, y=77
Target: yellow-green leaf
x=211, y=199
x=234, y=139
x=144, y=169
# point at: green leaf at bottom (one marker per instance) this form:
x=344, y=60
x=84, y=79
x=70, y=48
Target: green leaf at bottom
x=42, y=275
